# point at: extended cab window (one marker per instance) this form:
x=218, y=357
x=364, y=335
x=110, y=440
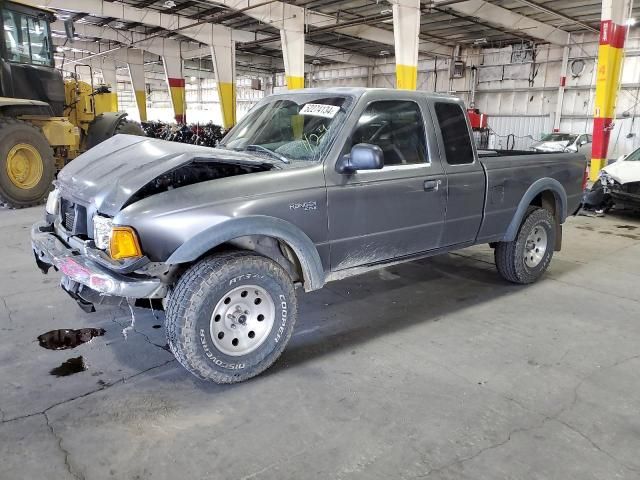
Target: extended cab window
x=455, y=134
x=397, y=128
x=26, y=39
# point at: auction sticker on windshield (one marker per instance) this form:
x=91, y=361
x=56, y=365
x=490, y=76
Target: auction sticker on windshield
x=319, y=110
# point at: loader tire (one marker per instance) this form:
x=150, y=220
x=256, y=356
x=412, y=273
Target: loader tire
x=28, y=166
x=127, y=127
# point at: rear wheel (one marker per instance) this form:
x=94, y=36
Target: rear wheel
x=526, y=258
x=230, y=316
x=28, y=164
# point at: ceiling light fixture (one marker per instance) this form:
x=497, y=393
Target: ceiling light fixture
x=169, y=4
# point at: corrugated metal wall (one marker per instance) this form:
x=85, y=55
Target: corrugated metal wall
x=526, y=129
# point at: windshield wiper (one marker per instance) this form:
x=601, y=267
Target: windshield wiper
x=260, y=148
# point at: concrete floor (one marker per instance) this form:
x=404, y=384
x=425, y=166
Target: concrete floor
x=433, y=369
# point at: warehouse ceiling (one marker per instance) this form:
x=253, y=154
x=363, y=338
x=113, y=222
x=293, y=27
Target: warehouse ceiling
x=441, y=23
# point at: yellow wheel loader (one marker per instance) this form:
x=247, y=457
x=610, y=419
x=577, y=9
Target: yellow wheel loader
x=45, y=121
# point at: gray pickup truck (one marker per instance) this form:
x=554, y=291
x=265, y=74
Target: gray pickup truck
x=311, y=186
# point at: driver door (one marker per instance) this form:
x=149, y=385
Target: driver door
x=378, y=215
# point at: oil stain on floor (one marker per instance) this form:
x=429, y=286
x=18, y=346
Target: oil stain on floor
x=63, y=339
x=71, y=366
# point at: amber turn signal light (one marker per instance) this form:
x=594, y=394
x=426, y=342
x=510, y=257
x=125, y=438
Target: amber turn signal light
x=124, y=243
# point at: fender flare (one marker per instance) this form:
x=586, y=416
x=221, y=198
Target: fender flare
x=536, y=188
x=103, y=127
x=300, y=243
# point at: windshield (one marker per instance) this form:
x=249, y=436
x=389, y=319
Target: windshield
x=286, y=129
x=558, y=137
x=633, y=156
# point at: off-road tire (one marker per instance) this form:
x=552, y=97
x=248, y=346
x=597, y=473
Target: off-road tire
x=128, y=127
x=509, y=256
x=191, y=304
x=13, y=132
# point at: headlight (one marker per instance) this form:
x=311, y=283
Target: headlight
x=102, y=231
x=53, y=202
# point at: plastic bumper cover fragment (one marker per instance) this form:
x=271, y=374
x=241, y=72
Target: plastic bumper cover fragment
x=50, y=251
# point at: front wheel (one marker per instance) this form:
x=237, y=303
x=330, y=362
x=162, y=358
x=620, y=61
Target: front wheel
x=526, y=258
x=230, y=316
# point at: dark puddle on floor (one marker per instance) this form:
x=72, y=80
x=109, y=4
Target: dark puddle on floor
x=64, y=339
x=627, y=227
x=71, y=366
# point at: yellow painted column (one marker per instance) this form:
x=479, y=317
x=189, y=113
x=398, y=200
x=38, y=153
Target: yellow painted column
x=406, y=77
x=292, y=40
x=176, y=88
x=294, y=82
x=227, y=96
x=223, y=54
x=135, y=63
x=613, y=32
x=406, y=31
x=141, y=102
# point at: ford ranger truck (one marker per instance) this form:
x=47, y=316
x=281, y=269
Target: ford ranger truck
x=311, y=186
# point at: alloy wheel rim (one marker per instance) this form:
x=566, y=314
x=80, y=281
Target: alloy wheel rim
x=242, y=320
x=535, y=246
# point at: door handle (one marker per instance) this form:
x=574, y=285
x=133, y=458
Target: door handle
x=432, y=185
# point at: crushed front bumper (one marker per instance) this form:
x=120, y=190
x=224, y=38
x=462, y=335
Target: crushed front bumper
x=77, y=269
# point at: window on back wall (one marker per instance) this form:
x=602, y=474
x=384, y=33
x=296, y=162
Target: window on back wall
x=522, y=53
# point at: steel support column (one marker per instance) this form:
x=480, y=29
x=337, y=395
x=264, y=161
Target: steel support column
x=175, y=81
x=135, y=62
x=292, y=39
x=561, y=87
x=613, y=32
x=224, y=64
x=109, y=76
x=406, y=32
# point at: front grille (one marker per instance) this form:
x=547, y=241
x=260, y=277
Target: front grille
x=633, y=187
x=69, y=220
x=73, y=217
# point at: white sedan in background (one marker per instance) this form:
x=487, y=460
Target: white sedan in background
x=565, y=142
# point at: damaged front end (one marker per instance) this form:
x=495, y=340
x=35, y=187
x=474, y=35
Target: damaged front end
x=102, y=260
x=625, y=195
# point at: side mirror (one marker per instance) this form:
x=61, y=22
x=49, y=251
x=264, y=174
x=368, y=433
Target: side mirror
x=583, y=142
x=363, y=156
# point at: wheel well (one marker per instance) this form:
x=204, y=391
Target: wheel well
x=547, y=200
x=550, y=202
x=271, y=247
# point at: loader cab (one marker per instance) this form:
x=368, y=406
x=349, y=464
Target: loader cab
x=27, y=69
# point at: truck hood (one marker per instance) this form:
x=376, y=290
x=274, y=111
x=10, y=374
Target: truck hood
x=109, y=175
x=624, y=172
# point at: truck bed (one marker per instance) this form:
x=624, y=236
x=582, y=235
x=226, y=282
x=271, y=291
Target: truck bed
x=510, y=173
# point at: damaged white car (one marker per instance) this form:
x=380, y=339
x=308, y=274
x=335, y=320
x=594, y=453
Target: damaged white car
x=564, y=142
x=621, y=180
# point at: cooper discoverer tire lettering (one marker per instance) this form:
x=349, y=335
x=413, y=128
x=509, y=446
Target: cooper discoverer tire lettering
x=230, y=316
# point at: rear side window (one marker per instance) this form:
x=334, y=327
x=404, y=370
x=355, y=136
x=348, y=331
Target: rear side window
x=455, y=134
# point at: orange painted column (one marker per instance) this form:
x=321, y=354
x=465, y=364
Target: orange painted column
x=613, y=32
